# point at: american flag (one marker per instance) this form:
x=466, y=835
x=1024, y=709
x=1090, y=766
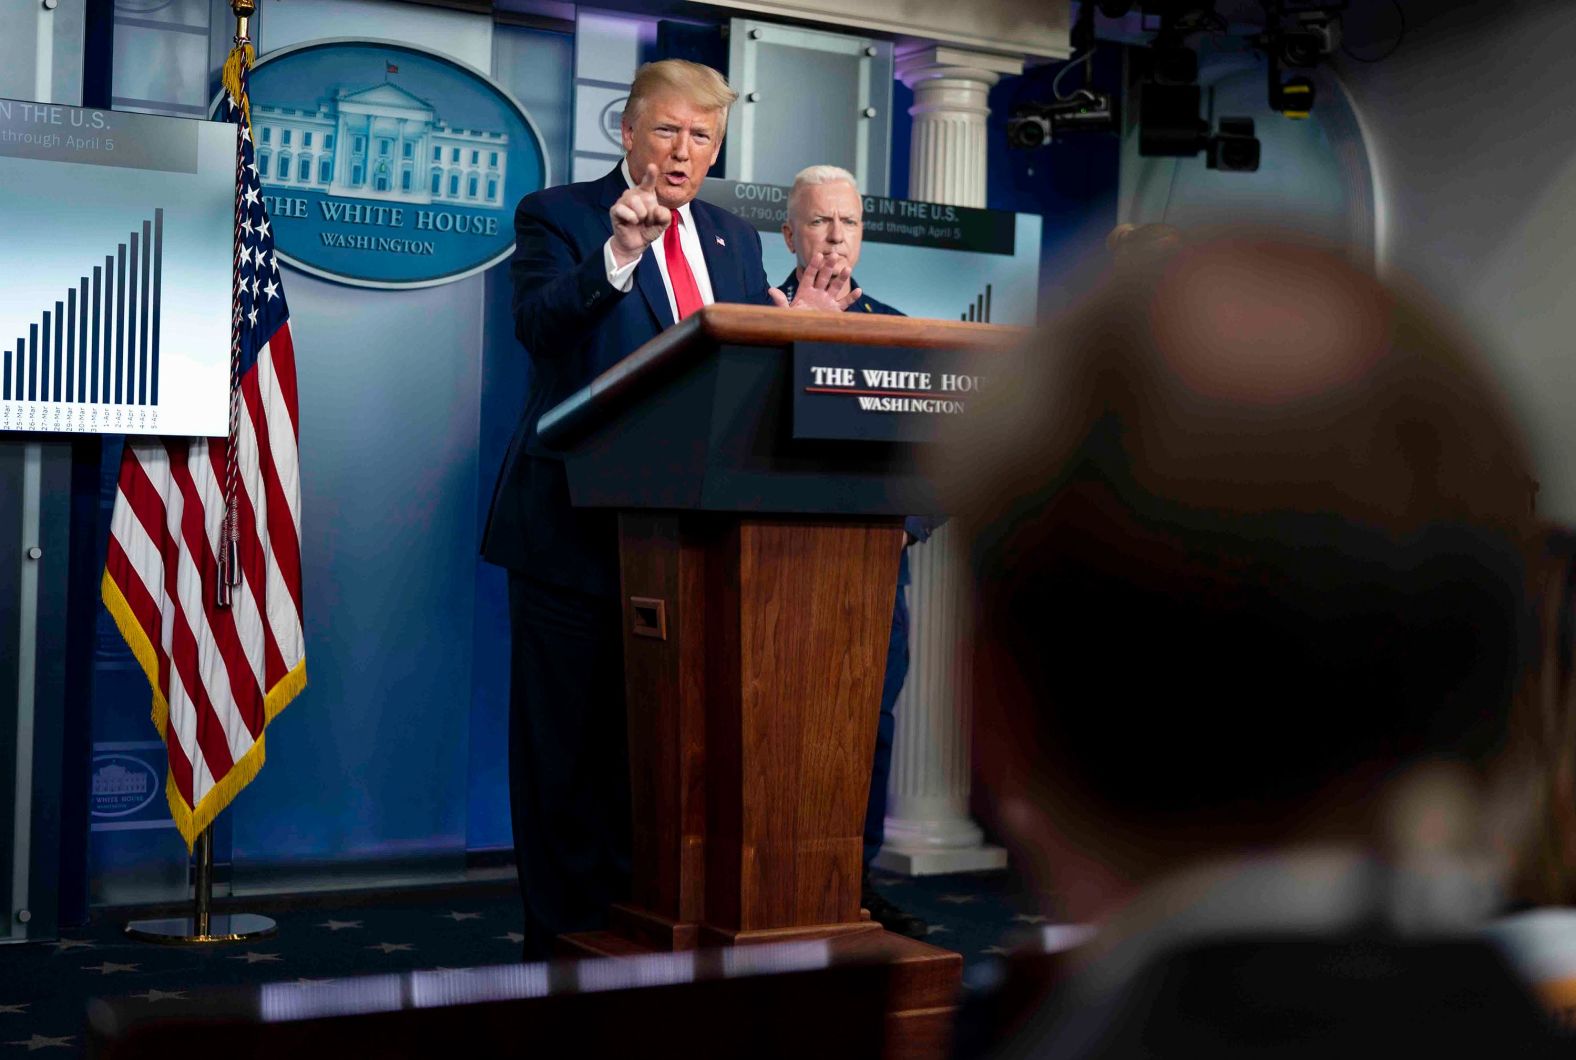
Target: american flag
x=203, y=573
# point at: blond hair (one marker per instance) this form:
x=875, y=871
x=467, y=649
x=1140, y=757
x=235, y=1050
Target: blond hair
x=699, y=84
x=811, y=176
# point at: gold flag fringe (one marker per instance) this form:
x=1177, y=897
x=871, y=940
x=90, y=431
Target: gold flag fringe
x=189, y=820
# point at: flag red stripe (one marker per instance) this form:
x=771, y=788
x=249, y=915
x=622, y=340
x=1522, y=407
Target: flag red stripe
x=281, y=353
x=281, y=524
x=147, y=506
x=221, y=620
x=180, y=766
x=254, y=570
x=142, y=604
x=146, y=610
x=183, y=643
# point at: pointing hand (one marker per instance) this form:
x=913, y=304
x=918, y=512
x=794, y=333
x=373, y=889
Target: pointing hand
x=638, y=219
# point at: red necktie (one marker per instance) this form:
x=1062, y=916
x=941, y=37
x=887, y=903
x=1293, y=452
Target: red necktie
x=685, y=294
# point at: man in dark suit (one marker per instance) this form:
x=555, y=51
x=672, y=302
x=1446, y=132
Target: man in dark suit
x=600, y=267
x=825, y=222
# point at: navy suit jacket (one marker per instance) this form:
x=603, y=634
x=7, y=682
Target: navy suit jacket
x=575, y=325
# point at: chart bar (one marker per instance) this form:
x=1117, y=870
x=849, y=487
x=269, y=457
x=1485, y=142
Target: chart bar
x=142, y=332
x=120, y=325
x=109, y=316
x=43, y=362
x=71, y=344
x=133, y=325
x=82, y=342
x=158, y=284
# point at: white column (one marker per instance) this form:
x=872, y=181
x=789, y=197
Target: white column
x=928, y=828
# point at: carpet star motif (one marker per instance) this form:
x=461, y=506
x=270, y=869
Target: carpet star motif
x=995, y=951
x=457, y=917
x=958, y=899
x=109, y=968
x=1030, y=918
x=337, y=925
x=393, y=947
x=162, y=995
x=14, y=1010
x=512, y=936
x=62, y=945
x=38, y=1041
x=253, y=957
x=933, y=929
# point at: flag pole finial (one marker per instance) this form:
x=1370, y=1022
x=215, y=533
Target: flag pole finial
x=244, y=10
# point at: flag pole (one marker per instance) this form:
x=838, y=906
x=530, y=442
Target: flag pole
x=204, y=926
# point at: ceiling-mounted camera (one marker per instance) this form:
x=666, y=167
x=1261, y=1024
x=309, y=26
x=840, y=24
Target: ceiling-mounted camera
x=1234, y=148
x=1037, y=124
x=1308, y=39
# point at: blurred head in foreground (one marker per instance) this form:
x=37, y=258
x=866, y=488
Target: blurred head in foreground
x=1249, y=535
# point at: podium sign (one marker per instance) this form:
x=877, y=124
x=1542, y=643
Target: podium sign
x=844, y=392
x=116, y=235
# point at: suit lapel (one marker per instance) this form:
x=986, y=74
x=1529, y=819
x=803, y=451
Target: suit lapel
x=648, y=277
x=719, y=260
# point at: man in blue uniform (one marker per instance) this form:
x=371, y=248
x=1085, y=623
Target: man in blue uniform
x=825, y=215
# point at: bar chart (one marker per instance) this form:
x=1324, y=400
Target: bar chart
x=91, y=361
x=116, y=271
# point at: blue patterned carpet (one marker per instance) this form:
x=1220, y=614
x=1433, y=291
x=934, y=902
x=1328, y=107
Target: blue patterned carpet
x=45, y=987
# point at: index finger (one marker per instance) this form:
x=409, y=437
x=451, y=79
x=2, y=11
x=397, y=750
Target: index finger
x=649, y=180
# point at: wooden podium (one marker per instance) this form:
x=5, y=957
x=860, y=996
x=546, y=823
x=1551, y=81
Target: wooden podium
x=758, y=574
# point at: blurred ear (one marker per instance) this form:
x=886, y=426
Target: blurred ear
x=626, y=132
x=788, y=238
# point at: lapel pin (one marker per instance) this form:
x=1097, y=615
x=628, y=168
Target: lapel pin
x=721, y=242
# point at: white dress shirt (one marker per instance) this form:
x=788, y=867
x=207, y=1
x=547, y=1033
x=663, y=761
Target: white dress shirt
x=622, y=277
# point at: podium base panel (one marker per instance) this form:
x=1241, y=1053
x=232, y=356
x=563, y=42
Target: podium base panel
x=922, y=996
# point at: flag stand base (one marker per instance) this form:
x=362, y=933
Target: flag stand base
x=185, y=931
x=203, y=927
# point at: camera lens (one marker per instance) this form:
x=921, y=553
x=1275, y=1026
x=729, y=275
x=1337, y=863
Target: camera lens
x=1238, y=154
x=1026, y=132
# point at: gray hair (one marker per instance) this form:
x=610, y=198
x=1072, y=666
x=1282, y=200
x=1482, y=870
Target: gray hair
x=812, y=175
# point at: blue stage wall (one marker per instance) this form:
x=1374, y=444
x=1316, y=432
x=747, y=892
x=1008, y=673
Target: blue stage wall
x=394, y=758
x=393, y=761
